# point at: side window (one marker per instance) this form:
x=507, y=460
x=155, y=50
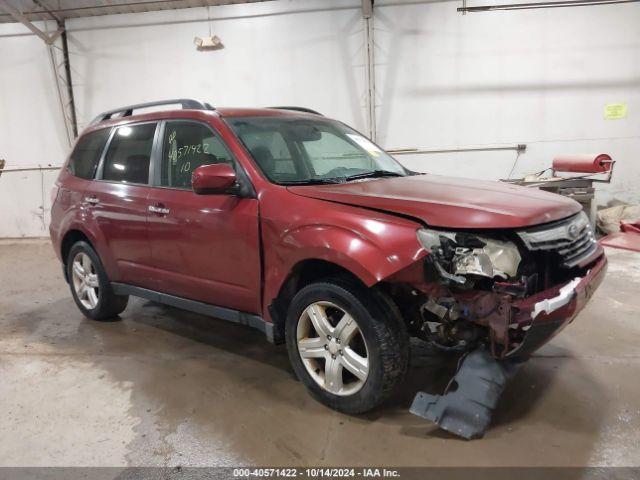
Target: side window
x=187, y=146
x=129, y=154
x=84, y=159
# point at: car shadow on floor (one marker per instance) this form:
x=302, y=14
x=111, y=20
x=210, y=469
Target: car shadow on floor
x=217, y=333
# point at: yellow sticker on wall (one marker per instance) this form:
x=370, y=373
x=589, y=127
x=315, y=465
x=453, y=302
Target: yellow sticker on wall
x=615, y=111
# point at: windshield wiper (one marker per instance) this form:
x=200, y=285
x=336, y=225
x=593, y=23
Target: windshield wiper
x=373, y=174
x=313, y=181
x=335, y=180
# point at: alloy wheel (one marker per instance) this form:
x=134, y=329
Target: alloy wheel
x=85, y=280
x=332, y=348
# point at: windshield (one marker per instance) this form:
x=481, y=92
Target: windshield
x=302, y=150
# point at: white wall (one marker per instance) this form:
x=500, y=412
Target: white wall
x=31, y=131
x=31, y=127
x=540, y=77
x=275, y=53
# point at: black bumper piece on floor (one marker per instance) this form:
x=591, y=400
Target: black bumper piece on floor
x=467, y=405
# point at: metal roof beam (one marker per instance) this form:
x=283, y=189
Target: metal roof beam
x=41, y=4
x=19, y=17
x=90, y=8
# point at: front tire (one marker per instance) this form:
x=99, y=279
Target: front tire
x=90, y=286
x=347, y=344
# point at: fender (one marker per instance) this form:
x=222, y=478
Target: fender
x=373, y=252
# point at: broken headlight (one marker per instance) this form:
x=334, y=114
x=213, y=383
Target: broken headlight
x=458, y=254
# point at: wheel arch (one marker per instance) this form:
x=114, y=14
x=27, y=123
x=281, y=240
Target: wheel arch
x=69, y=240
x=303, y=273
x=319, y=250
x=75, y=229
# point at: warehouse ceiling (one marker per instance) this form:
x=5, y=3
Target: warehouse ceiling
x=36, y=10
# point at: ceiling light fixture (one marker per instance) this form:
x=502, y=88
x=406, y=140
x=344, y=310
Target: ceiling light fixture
x=208, y=43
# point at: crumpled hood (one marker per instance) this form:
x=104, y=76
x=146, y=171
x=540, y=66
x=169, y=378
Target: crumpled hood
x=449, y=202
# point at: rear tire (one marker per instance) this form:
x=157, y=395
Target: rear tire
x=90, y=286
x=354, y=344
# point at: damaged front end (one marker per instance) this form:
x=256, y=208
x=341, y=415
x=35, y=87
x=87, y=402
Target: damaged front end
x=496, y=298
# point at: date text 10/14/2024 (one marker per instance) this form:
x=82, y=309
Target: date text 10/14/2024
x=316, y=472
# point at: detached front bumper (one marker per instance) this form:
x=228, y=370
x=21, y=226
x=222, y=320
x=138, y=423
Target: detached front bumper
x=545, y=314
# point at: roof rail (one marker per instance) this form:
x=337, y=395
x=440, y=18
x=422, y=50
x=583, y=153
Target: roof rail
x=127, y=111
x=298, y=109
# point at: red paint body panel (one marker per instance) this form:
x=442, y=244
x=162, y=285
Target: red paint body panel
x=121, y=217
x=67, y=212
x=372, y=245
x=207, y=248
x=451, y=202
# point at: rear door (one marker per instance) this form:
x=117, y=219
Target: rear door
x=206, y=247
x=118, y=201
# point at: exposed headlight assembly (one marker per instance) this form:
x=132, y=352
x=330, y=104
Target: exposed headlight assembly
x=459, y=254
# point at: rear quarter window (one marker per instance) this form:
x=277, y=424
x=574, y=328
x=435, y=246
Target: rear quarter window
x=84, y=159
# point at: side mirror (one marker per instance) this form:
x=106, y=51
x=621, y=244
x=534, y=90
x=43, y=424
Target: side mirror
x=217, y=178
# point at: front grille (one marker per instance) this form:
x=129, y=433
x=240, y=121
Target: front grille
x=572, y=239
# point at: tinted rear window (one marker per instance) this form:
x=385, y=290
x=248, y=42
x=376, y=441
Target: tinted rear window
x=129, y=154
x=85, y=157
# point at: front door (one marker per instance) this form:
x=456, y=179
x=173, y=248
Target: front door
x=205, y=247
x=118, y=202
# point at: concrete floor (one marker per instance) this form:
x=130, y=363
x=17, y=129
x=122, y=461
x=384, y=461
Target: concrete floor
x=165, y=387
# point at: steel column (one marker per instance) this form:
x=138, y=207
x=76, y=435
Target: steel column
x=59, y=55
x=370, y=73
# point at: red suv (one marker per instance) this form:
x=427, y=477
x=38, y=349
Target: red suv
x=299, y=226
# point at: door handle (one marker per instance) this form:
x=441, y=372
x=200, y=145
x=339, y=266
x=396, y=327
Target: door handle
x=159, y=209
x=92, y=200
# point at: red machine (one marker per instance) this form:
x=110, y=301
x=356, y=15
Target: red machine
x=585, y=163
